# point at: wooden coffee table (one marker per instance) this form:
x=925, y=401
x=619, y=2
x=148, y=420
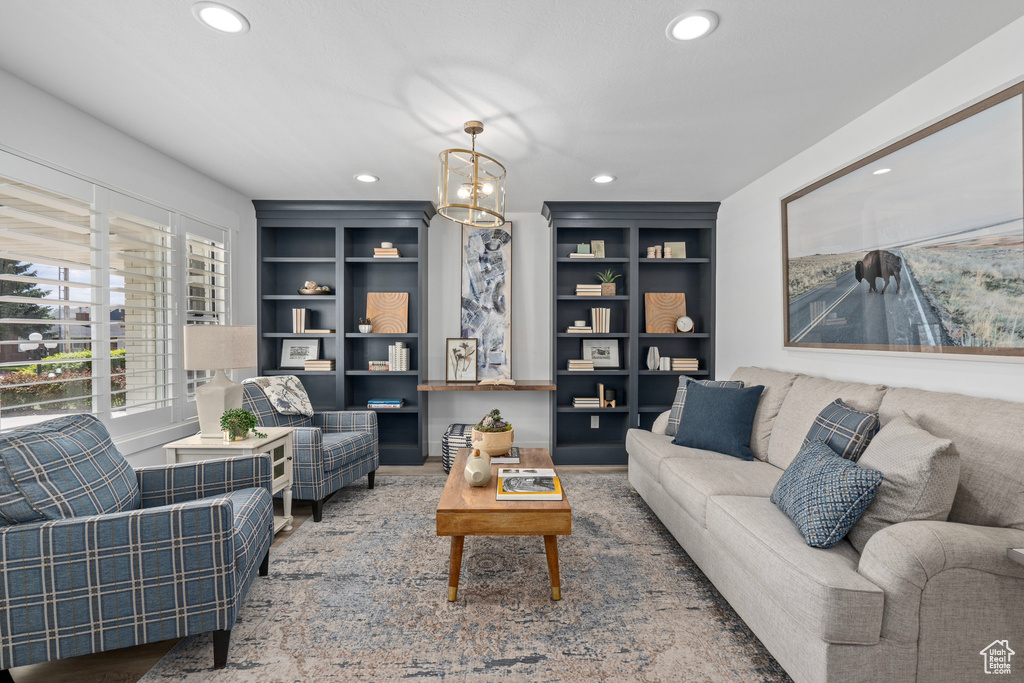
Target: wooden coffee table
x=467, y=510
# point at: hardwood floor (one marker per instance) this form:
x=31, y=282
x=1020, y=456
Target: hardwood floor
x=129, y=664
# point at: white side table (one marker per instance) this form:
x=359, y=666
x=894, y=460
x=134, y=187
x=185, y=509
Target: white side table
x=278, y=444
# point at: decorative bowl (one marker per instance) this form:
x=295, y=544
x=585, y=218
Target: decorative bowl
x=493, y=443
x=312, y=292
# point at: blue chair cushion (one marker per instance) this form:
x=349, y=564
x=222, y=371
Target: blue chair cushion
x=341, y=448
x=845, y=430
x=719, y=419
x=679, y=402
x=825, y=494
x=253, y=521
x=65, y=467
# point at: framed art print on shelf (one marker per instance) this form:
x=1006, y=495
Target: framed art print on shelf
x=918, y=247
x=460, y=360
x=295, y=352
x=604, y=352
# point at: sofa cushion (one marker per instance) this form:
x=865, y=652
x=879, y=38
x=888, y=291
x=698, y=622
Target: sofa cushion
x=820, y=589
x=679, y=401
x=692, y=482
x=825, y=494
x=843, y=429
x=989, y=437
x=649, y=450
x=920, y=474
x=776, y=386
x=803, y=403
x=65, y=467
x=719, y=419
x=341, y=448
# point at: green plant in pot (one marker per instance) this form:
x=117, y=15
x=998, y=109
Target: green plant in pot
x=608, y=278
x=237, y=423
x=493, y=435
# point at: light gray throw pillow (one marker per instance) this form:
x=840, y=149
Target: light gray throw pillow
x=920, y=474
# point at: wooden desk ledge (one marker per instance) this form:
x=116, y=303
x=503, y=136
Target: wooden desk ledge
x=520, y=385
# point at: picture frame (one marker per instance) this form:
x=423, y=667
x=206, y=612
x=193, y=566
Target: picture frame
x=915, y=248
x=604, y=352
x=295, y=352
x=597, y=248
x=460, y=359
x=486, y=297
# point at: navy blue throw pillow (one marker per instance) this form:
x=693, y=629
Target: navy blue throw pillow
x=719, y=419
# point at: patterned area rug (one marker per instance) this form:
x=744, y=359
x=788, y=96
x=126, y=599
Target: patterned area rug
x=363, y=596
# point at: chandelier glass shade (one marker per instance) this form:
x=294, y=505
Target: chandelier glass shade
x=470, y=185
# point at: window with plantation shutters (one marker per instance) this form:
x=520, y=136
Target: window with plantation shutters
x=206, y=292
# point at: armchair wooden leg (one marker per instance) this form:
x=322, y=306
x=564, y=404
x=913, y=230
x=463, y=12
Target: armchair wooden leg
x=221, y=641
x=265, y=565
x=318, y=510
x=5, y=676
x=369, y=478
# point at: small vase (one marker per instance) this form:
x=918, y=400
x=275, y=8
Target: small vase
x=235, y=435
x=478, y=468
x=366, y=329
x=608, y=288
x=653, y=358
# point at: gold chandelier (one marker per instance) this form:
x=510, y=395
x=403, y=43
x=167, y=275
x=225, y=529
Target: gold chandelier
x=470, y=185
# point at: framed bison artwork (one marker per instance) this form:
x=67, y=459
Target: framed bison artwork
x=918, y=247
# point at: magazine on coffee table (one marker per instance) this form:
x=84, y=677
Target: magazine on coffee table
x=511, y=458
x=528, y=483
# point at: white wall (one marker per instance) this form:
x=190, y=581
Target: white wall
x=39, y=127
x=528, y=411
x=750, y=299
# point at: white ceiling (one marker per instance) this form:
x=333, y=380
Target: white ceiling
x=320, y=90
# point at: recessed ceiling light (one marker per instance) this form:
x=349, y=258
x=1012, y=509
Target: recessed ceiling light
x=881, y=171
x=220, y=17
x=366, y=178
x=692, y=25
x=603, y=179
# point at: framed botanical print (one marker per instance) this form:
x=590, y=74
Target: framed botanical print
x=460, y=360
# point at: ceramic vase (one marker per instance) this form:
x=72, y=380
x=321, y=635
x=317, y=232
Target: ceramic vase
x=366, y=329
x=493, y=443
x=478, y=468
x=653, y=358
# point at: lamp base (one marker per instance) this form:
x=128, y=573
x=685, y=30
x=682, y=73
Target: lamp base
x=212, y=399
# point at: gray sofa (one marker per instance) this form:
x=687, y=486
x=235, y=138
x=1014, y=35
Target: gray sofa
x=923, y=599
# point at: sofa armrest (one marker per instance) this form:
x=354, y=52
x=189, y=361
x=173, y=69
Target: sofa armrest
x=138, y=565
x=901, y=559
x=347, y=421
x=169, y=484
x=661, y=423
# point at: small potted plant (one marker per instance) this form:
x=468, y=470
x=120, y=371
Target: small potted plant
x=493, y=435
x=608, y=278
x=236, y=424
x=365, y=326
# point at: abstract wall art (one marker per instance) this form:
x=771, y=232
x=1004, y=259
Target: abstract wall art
x=486, y=297
x=918, y=247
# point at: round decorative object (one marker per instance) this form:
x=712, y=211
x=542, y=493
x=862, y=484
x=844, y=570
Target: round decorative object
x=386, y=245
x=478, y=468
x=313, y=292
x=493, y=443
x=653, y=358
x=366, y=329
x=684, y=324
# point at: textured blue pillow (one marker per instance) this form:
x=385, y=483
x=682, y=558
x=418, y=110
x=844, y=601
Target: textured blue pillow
x=843, y=429
x=825, y=494
x=679, y=402
x=65, y=467
x=719, y=419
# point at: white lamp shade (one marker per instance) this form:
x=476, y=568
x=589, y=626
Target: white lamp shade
x=219, y=347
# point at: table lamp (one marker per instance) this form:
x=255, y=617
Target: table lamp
x=220, y=348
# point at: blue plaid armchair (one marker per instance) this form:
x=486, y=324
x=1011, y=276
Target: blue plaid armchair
x=96, y=556
x=330, y=450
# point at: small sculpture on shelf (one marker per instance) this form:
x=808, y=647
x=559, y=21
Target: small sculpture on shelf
x=365, y=326
x=608, y=278
x=310, y=288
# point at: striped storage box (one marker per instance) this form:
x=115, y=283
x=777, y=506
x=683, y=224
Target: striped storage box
x=455, y=437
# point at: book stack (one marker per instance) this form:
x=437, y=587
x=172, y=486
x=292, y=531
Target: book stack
x=383, y=403
x=320, y=365
x=684, y=365
x=528, y=483
x=398, y=357
x=380, y=252
x=510, y=458
x=312, y=331
x=586, y=402
x=577, y=254
x=579, y=329
x=600, y=319
x=581, y=365
x=300, y=319
x=379, y=366
x=588, y=290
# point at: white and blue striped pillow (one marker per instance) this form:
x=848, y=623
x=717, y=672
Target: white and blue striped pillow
x=676, y=413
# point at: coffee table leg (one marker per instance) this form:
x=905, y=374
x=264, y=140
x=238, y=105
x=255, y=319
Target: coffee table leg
x=551, y=549
x=455, y=566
